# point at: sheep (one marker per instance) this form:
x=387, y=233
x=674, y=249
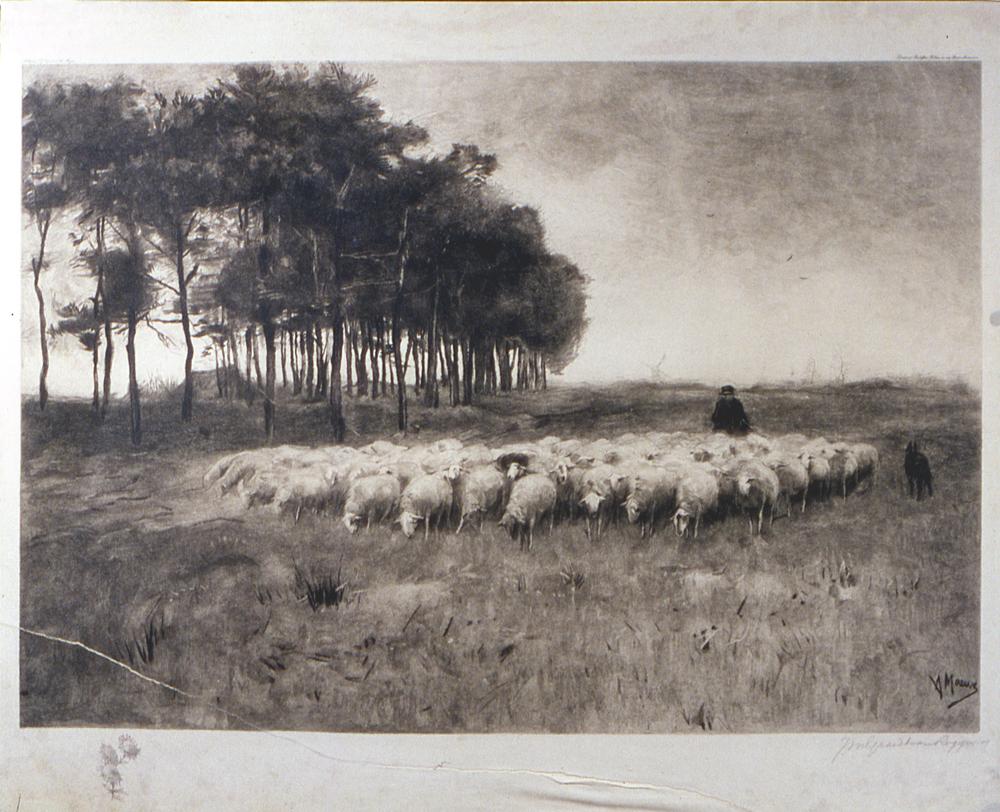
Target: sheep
x=426, y=499
x=868, y=461
x=818, y=468
x=843, y=467
x=697, y=494
x=304, y=487
x=793, y=478
x=480, y=490
x=757, y=488
x=370, y=497
x=602, y=489
x=652, y=489
x=531, y=498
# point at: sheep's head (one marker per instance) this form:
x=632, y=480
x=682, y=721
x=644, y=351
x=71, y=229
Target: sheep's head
x=452, y=472
x=682, y=518
x=701, y=455
x=508, y=523
x=515, y=470
x=632, y=509
x=560, y=473
x=352, y=521
x=592, y=503
x=408, y=523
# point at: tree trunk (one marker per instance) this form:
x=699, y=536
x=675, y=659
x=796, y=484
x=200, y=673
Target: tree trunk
x=336, y=393
x=320, y=364
x=430, y=368
x=187, y=401
x=396, y=338
x=266, y=318
x=95, y=404
x=248, y=341
x=545, y=381
x=270, y=358
x=135, y=412
x=370, y=342
x=349, y=366
x=36, y=266
x=218, y=370
x=382, y=354
x=284, y=372
x=293, y=362
x=467, y=372
x=310, y=361
x=256, y=361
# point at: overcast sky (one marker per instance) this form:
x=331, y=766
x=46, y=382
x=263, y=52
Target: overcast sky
x=741, y=222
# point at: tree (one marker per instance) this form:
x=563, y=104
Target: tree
x=129, y=297
x=43, y=195
x=83, y=321
x=176, y=179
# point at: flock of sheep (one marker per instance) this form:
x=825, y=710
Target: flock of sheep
x=649, y=479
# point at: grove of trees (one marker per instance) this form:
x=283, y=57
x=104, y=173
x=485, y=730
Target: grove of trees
x=285, y=222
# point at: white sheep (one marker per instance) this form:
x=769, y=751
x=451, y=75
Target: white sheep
x=426, y=499
x=819, y=472
x=531, y=498
x=793, y=477
x=843, y=467
x=602, y=489
x=697, y=494
x=370, y=497
x=757, y=489
x=304, y=487
x=868, y=461
x=652, y=490
x=480, y=491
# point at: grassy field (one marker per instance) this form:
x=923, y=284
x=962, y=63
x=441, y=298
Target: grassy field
x=836, y=620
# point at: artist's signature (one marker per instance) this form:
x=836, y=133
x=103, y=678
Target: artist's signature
x=948, y=686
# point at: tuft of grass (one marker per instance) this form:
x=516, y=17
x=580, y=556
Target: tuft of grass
x=321, y=591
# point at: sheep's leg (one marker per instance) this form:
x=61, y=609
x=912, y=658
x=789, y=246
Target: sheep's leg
x=552, y=520
x=805, y=495
x=461, y=522
x=298, y=510
x=427, y=526
x=697, y=523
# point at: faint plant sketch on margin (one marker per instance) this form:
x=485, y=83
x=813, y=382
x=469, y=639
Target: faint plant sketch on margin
x=112, y=758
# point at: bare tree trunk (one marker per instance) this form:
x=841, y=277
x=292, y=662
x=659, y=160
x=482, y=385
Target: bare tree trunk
x=467, y=374
x=310, y=361
x=284, y=373
x=248, y=340
x=187, y=402
x=321, y=363
x=135, y=411
x=382, y=353
x=218, y=370
x=336, y=389
x=349, y=367
x=545, y=380
x=36, y=267
x=270, y=365
x=430, y=368
x=95, y=404
x=370, y=342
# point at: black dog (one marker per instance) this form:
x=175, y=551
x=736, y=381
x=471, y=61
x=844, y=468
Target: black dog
x=918, y=471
